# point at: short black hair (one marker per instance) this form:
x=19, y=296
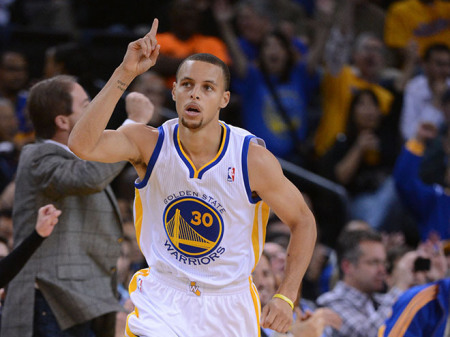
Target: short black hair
x=209, y=58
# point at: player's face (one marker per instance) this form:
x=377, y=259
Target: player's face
x=199, y=94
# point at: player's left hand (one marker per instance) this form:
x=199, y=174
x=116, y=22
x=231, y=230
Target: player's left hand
x=277, y=315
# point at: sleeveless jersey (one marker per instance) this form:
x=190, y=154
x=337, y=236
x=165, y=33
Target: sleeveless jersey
x=200, y=224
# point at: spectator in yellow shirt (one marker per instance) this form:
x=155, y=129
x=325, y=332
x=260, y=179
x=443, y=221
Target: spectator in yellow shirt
x=424, y=21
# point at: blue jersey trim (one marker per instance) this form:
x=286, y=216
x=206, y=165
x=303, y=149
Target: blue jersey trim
x=245, y=169
x=153, y=158
x=222, y=153
x=193, y=172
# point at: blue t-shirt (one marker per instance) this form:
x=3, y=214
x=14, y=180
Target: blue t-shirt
x=429, y=204
x=260, y=113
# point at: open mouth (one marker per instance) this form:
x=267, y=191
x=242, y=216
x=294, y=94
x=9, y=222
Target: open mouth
x=192, y=109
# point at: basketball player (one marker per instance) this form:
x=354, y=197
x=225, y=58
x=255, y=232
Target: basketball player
x=201, y=205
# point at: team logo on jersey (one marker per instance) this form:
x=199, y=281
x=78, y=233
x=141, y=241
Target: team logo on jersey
x=231, y=172
x=193, y=227
x=194, y=288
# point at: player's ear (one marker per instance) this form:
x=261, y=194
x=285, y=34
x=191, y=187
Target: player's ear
x=173, y=91
x=225, y=99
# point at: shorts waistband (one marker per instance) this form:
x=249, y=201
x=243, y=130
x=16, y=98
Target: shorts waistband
x=199, y=288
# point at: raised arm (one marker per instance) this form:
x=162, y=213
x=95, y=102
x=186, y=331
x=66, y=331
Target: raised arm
x=268, y=181
x=89, y=139
x=223, y=13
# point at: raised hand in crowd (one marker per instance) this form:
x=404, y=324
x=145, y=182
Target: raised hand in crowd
x=139, y=107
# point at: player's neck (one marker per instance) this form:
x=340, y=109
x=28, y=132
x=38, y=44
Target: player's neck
x=201, y=146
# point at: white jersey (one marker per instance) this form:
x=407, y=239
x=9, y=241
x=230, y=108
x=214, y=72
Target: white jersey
x=202, y=224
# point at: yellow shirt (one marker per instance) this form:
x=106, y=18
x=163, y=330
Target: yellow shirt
x=413, y=20
x=337, y=93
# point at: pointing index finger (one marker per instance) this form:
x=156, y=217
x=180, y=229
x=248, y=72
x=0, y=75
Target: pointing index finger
x=154, y=28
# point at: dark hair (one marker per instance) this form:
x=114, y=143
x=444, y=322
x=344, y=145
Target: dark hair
x=48, y=99
x=435, y=47
x=286, y=43
x=352, y=130
x=348, y=245
x=73, y=56
x=209, y=58
x=12, y=51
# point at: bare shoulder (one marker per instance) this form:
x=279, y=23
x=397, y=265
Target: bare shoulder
x=259, y=158
x=263, y=167
x=144, y=137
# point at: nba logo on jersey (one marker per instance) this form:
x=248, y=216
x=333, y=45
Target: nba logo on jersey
x=230, y=174
x=139, y=283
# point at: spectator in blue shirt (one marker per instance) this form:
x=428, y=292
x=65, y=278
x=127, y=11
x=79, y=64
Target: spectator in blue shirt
x=430, y=204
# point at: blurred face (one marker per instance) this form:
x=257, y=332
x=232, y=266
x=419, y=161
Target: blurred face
x=277, y=257
x=369, y=58
x=264, y=280
x=153, y=87
x=186, y=17
x=438, y=66
x=251, y=26
x=80, y=101
x=51, y=67
x=124, y=261
x=369, y=273
x=13, y=72
x=199, y=94
x=8, y=122
x=367, y=114
x=274, y=54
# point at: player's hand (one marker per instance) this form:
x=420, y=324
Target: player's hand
x=139, y=108
x=141, y=54
x=47, y=219
x=277, y=315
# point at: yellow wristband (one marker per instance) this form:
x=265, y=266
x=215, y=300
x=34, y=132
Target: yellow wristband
x=284, y=298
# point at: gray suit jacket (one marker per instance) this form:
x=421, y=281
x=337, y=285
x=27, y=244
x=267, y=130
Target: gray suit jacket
x=75, y=267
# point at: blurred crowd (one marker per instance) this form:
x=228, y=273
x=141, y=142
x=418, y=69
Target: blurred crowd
x=354, y=91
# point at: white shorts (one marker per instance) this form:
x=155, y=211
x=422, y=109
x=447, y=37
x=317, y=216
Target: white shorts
x=166, y=307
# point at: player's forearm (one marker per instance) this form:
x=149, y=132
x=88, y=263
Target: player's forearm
x=88, y=130
x=299, y=252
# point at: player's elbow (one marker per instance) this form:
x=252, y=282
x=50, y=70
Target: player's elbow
x=308, y=224
x=78, y=147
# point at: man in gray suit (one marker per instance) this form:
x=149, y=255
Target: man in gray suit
x=66, y=288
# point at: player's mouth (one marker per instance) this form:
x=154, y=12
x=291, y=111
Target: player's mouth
x=192, y=109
